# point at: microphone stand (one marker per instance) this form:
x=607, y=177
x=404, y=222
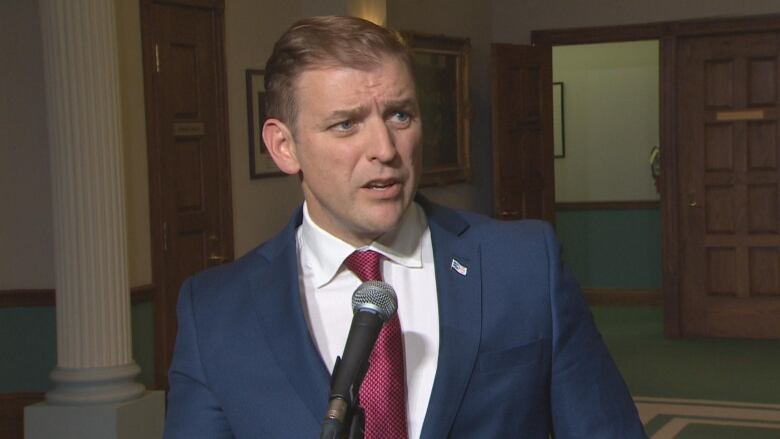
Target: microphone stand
x=332, y=429
x=358, y=424
x=345, y=418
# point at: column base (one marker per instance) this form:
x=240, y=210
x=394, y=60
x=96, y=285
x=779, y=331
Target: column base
x=141, y=418
x=95, y=385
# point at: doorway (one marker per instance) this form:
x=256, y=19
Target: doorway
x=720, y=251
x=606, y=108
x=188, y=153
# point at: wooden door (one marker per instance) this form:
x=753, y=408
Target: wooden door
x=729, y=176
x=524, y=184
x=188, y=155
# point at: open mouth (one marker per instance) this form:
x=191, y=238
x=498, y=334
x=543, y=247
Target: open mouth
x=381, y=185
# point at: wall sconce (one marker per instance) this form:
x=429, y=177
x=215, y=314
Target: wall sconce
x=374, y=11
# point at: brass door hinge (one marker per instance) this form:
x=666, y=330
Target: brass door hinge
x=157, y=57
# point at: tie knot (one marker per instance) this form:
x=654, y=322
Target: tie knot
x=365, y=264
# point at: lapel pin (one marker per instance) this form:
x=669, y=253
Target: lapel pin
x=457, y=266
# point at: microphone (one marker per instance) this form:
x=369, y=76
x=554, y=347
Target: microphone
x=373, y=303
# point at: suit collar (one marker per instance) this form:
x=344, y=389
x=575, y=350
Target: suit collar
x=446, y=219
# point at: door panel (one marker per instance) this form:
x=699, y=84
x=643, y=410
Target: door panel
x=728, y=143
x=522, y=132
x=189, y=159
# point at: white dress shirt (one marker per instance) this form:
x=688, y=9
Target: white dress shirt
x=327, y=287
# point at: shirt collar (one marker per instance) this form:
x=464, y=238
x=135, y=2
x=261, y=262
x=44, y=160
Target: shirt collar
x=324, y=253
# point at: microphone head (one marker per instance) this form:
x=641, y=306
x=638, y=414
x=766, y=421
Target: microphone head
x=376, y=296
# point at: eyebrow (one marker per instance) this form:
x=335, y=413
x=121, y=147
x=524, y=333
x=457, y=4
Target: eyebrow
x=356, y=112
x=347, y=113
x=409, y=102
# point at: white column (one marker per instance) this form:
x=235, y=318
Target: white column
x=94, y=356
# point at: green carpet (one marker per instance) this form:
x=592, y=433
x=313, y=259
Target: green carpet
x=707, y=432
x=694, y=388
x=696, y=368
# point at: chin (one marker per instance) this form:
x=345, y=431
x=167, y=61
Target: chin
x=384, y=217
x=385, y=223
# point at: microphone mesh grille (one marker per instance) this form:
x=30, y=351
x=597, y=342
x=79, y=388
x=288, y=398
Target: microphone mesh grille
x=376, y=295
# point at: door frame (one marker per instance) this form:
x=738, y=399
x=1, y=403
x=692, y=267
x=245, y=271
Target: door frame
x=162, y=306
x=668, y=34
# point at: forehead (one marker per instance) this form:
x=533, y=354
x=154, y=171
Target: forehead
x=334, y=85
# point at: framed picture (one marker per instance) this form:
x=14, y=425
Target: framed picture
x=441, y=68
x=559, y=135
x=260, y=162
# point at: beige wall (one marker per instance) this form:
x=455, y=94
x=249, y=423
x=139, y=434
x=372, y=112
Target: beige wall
x=260, y=207
x=514, y=20
x=134, y=142
x=26, y=259
x=611, y=120
x=26, y=235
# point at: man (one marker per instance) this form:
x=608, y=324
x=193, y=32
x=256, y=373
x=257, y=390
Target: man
x=495, y=338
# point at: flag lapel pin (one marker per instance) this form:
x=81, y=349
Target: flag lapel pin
x=460, y=268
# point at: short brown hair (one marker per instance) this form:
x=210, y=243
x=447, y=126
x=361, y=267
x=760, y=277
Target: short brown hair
x=324, y=42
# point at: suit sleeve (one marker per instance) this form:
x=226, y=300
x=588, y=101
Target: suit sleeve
x=588, y=397
x=193, y=411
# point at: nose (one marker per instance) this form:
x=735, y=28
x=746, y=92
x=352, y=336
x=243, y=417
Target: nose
x=382, y=143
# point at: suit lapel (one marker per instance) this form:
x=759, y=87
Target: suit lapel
x=275, y=290
x=460, y=308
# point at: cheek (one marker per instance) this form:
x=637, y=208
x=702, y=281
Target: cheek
x=322, y=158
x=413, y=150
x=333, y=171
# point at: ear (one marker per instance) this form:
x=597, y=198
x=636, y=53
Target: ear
x=281, y=145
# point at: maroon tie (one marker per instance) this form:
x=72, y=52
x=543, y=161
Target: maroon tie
x=383, y=393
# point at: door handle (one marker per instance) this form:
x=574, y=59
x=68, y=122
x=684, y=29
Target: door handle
x=215, y=259
x=692, y=200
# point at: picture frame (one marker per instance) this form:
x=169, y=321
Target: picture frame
x=260, y=162
x=441, y=69
x=559, y=136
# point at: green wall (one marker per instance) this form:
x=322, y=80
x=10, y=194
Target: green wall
x=612, y=248
x=28, y=346
x=604, y=248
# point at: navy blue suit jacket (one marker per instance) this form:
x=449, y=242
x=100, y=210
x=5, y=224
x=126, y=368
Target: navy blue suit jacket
x=519, y=354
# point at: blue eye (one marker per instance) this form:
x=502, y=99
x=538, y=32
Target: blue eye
x=400, y=116
x=345, y=125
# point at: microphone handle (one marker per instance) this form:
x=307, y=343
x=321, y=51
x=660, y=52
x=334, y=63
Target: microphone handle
x=349, y=371
x=348, y=374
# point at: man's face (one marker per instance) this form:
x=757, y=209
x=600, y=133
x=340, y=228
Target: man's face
x=357, y=142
